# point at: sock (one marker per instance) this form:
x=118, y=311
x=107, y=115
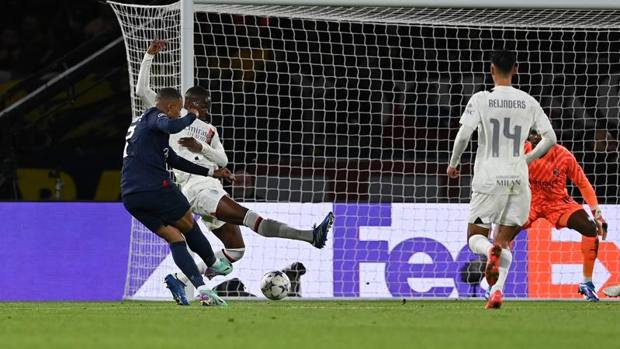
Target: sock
x=274, y=229
x=479, y=244
x=202, y=268
x=230, y=254
x=505, y=261
x=185, y=262
x=198, y=243
x=589, y=249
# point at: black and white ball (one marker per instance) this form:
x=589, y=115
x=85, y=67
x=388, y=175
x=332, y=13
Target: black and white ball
x=275, y=285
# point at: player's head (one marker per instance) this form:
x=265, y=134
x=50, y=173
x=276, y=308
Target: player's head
x=169, y=101
x=199, y=98
x=534, y=138
x=503, y=64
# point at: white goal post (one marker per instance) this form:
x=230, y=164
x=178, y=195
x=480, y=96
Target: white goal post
x=351, y=106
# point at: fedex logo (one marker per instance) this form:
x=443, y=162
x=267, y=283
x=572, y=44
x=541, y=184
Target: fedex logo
x=409, y=250
x=420, y=250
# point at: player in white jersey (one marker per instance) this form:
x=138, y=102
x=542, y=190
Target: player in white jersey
x=201, y=143
x=500, y=187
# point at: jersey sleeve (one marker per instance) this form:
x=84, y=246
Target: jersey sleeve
x=184, y=165
x=541, y=122
x=143, y=90
x=578, y=177
x=471, y=115
x=215, y=152
x=167, y=125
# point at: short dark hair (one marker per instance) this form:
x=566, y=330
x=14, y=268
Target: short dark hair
x=504, y=61
x=167, y=93
x=197, y=91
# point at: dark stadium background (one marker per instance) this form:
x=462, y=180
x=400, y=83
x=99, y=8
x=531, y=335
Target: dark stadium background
x=66, y=143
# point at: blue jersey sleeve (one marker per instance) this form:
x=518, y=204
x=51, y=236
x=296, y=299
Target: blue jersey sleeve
x=180, y=163
x=170, y=126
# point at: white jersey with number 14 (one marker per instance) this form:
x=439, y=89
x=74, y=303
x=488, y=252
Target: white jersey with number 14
x=503, y=118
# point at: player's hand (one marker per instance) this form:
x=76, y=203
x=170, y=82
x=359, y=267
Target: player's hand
x=224, y=173
x=453, y=172
x=156, y=46
x=191, y=143
x=601, y=224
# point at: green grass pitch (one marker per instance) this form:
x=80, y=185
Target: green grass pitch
x=311, y=324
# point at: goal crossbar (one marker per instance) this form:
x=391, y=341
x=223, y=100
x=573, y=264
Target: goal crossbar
x=492, y=4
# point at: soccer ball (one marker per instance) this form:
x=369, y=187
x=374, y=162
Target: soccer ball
x=275, y=285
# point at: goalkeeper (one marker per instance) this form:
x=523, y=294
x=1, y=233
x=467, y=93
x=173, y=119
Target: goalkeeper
x=550, y=200
x=201, y=143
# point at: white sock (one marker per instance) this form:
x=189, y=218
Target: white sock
x=505, y=261
x=479, y=244
x=230, y=254
x=587, y=279
x=274, y=229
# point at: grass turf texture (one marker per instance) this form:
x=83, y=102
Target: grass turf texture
x=310, y=324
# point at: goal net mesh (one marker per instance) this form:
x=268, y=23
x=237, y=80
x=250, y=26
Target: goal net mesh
x=354, y=109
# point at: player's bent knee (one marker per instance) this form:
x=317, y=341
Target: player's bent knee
x=589, y=229
x=477, y=229
x=186, y=223
x=230, y=211
x=170, y=234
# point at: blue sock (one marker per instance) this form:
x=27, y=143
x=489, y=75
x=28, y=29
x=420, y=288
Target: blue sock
x=198, y=243
x=185, y=262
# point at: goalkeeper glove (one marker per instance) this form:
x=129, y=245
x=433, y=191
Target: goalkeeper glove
x=600, y=222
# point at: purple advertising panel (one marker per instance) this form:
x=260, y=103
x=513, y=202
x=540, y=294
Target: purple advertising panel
x=410, y=250
x=79, y=251
x=63, y=251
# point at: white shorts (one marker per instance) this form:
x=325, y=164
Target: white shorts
x=204, y=194
x=503, y=209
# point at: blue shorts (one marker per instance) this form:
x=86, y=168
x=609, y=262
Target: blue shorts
x=157, y=208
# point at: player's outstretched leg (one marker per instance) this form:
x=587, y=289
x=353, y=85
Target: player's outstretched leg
x=231, y=212
x=581, y=222
x=198, y=243
x=184, y=262
x=234, y=247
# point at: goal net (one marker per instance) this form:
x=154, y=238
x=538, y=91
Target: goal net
x=353, y=109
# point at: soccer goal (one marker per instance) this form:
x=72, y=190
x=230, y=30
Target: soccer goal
x=351, y=106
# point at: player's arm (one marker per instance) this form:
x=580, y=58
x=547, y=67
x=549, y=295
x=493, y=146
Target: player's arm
x=460, y=144
x=545, y=130
x=143, y=90
x=469, y=122
x=169, y=125
x=184, y=165
x=214, y=152
x=579, y=178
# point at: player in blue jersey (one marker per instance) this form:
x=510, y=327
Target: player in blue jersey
x=151, y=196
x=201, y=144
